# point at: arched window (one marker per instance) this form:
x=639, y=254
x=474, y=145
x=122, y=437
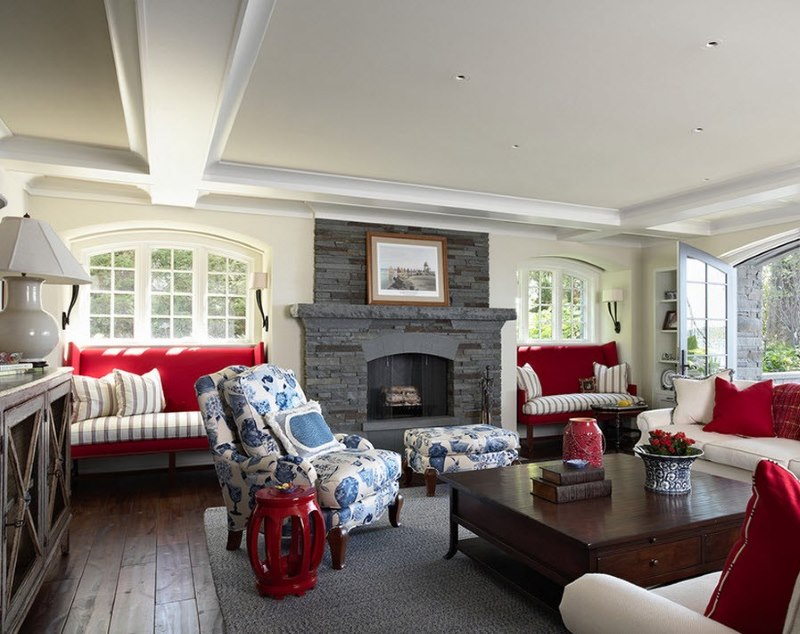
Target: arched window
x=166, y=288
x=555, y=301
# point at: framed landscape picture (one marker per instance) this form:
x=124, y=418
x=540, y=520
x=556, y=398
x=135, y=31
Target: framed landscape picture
x=406, y=269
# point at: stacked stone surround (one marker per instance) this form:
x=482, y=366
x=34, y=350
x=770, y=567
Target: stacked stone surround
x=340, y=262
x=339, y=339
x=342, y=332
x=750, y=342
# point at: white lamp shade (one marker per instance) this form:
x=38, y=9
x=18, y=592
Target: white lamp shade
x=259, y=279
x=32, y=247
x=612, y=295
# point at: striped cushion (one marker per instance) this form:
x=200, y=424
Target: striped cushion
x=93, y=397
x=528, y=382
x=565, y=403
x=138, y=394
x=613, y=379
x=139, y=427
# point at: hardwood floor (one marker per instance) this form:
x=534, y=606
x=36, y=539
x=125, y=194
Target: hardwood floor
x=138, y=561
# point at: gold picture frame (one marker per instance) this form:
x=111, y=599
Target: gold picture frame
x=407, y=269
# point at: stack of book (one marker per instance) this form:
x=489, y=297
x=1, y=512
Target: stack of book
x=562, y=483
x=7, y=369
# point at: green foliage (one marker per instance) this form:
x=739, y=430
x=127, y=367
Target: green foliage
x=781, y=357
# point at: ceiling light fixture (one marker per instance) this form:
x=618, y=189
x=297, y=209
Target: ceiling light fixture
x=698, y=130
x=712, y=44
x=515, y=146
x=461, y=77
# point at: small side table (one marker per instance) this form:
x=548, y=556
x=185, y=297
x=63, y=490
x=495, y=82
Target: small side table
x=616, y=414
x=291, y=568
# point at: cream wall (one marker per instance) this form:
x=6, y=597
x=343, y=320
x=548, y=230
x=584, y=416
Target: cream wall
x=11, y=189
x=287, y=243
x=621, y=269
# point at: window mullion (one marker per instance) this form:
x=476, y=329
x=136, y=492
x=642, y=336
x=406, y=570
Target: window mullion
x=141, y=326
x=201, y=293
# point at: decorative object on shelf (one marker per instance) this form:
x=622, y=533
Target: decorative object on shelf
x=668, y=356
x=670, y=295
x=10, y=357
x=611, y=297
x=666, y=378
x=407, y=269
x=486, y=397
x=583, y=440
x=259, y=280
x=670, y=320
x=32, y=253
x=667, y=462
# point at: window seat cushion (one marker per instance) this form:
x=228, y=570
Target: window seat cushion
x=109, y=429
x=579, y=402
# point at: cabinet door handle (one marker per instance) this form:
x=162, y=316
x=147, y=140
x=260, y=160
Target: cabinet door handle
x=653, y=562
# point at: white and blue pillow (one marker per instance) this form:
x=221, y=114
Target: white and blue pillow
x=254, y=394
x=303, y=431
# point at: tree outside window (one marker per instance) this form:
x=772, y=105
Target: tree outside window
x=781, y=314
x=557, y=300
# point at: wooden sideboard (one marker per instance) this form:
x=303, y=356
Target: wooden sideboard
x=34, y=485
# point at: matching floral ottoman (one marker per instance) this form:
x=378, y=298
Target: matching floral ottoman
x=434, y=450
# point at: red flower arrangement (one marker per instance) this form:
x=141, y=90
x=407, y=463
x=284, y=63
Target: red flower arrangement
x=664, y=443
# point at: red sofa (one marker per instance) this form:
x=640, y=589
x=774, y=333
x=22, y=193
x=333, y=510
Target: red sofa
x=559, y=368
x=178, y=366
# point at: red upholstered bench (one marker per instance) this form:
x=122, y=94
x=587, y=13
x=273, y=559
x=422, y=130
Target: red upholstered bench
x=559, y=369
x=179, y=367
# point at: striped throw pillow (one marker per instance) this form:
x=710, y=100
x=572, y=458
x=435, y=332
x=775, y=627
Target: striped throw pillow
x=528, y=382
x=613, y=379
x=138, y=394
x=93, y=398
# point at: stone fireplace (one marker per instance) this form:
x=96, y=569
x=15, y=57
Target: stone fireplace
x=428, y=361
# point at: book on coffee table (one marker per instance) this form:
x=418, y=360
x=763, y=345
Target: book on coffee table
x=570, y=492
x=564, y=474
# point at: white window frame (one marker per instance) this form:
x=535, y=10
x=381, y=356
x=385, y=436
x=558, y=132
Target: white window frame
x=143, y=242
x=558, y=267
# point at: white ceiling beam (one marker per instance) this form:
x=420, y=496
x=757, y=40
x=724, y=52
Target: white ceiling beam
x=71, y=160
x=124, y=34
x=184, y=50
x=318, y=186
x=253, y=23
x=755, y=189
x=766, y=218
x=4, y=131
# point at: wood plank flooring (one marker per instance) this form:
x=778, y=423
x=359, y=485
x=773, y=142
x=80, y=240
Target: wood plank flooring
x=138, y=561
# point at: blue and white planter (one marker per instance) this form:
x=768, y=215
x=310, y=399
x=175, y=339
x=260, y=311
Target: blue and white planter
x=667, y=474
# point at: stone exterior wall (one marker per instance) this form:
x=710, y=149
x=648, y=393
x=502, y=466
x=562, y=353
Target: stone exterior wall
x=750, y=339
x=340, y=262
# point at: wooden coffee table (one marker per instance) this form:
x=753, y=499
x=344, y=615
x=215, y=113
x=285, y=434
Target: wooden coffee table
x=644, y=537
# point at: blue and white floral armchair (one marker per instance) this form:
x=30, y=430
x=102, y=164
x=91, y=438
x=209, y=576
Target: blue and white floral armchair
x=245, y=411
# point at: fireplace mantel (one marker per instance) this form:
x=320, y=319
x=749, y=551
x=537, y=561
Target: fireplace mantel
x=410, y=313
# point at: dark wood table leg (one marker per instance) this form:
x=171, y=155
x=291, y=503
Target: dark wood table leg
x=453, y=528
x=617, y=423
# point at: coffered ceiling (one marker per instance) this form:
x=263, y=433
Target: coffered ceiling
x=622, y=121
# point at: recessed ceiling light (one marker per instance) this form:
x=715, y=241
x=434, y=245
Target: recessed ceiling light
x=697, y=130
x=515, y=146
x=461, y=77
x=712, y=44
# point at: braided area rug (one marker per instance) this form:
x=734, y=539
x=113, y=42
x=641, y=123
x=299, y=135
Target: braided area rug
x=394, y=580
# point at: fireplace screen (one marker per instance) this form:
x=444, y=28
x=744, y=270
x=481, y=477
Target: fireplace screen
x=407, y=385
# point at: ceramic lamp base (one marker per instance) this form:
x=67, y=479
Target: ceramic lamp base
x=24, y=326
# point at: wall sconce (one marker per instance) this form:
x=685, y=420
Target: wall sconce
x=32, y=253
x=72, y=299
x=260, y=280
x=612, y=296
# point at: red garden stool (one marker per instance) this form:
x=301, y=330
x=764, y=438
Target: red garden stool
x=287, y=568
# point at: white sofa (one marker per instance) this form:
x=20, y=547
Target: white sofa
x=724, y=454
x=601, y=604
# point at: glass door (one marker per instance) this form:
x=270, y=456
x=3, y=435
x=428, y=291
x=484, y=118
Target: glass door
x=706, y=312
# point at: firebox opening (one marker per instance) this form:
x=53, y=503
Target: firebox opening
x=408, y=385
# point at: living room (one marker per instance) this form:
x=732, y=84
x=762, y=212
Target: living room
x=571, y=138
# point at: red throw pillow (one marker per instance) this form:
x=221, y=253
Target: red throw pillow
x=786, y=410
x=757, y=581
x=746, y=412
